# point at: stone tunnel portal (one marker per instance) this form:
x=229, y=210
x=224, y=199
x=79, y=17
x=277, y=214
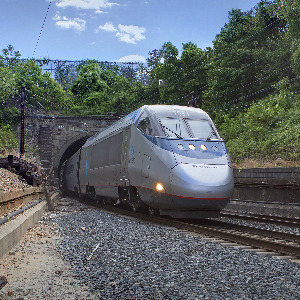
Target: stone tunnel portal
x=65, y=154
x=59, y=137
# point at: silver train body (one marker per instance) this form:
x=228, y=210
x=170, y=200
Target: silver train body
x=168, y=158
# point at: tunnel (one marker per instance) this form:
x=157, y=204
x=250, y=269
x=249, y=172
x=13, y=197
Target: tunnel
x=67, y=150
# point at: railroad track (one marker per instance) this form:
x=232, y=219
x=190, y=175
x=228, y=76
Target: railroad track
x=282, y=243
x=291, y=222
x=16, y=202
x=270, y=241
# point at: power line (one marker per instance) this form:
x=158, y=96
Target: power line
x=36, y=45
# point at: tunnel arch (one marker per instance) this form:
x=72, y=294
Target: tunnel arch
x=67, y=150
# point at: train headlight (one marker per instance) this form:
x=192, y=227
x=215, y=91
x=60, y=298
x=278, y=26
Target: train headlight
x=159, y=187
x=203, y=147
x=192, y=147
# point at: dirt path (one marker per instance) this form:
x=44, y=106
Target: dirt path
x=35, y=270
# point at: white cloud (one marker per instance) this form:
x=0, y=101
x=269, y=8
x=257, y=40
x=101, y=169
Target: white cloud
x=132, y=58
x=68, y=23
x=131, y=33
x=126, y=33
x=108, y=26
x=85, y=4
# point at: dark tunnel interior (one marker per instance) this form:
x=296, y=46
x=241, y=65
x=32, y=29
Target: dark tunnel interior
x=72, y=149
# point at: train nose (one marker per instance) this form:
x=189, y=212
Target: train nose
x=202, y=181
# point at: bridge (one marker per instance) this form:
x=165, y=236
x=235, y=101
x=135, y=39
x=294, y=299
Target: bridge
x=59, y=137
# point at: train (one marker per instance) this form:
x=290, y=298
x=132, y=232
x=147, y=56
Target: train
x=168, y=159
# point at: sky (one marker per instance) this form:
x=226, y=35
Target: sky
x=110, y=30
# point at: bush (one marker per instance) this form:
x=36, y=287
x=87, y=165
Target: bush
x=269, y=129
x=8, y=139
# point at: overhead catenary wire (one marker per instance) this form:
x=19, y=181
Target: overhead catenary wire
x=222, y=54
x=181, y=98
x=262, y=86
x=41, y=31
x=230, y=48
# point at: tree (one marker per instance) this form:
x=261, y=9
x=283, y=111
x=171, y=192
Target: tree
x=250, y=55
x=10, y=57
x=102, y=90
x=89, y=80
x=173, y=78
x=42, y=91
x=9, y=61
x=194, y=78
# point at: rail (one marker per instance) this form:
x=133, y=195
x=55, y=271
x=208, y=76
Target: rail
x=244, y=235
x=10, y=201
x=292, y=222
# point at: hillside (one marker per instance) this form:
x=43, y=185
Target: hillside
x=248, y=82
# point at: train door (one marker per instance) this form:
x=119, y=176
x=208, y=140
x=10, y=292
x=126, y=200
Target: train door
x=125, y=153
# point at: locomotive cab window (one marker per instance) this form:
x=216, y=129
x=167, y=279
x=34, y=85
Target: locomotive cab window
x=173, y=127
x=145, y=125
x=176, y=125
x=202, y=129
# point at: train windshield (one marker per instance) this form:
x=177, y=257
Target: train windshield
x=176, y=123
x=202, y=129
x=188, y=128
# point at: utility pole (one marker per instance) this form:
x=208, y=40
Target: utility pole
x=22, y=141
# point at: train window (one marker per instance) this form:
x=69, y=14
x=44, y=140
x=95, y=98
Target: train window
x=202, y=129
x=173, y=127
x=146, y=126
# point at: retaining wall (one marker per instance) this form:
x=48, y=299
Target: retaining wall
x=270, y=191
x=12, y=231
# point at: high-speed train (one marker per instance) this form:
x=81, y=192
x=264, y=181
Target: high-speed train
x=167, y=158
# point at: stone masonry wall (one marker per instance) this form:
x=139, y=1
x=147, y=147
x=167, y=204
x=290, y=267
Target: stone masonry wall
x=54, y=135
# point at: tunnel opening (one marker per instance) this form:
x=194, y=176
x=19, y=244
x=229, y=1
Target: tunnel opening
x=70, y=150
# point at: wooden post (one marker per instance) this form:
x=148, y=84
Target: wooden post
x=22, y=140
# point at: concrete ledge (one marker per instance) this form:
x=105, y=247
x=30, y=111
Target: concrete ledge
x=7, y=196
x=288, y=211
x=268, y=176
x=12, y=231
x=53, y=199
x=54, y=196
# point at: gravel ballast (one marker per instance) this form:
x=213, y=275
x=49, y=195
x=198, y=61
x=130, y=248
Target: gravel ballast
x=10, y=181
x=126, y=258
x=117, y=257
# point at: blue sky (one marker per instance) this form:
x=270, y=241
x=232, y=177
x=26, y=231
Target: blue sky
x=110, y=30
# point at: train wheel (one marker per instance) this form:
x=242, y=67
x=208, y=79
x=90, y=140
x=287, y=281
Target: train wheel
x=153, y=211
x=134, y=207
x=133, y=199
x=93, y=195
x=76, y=191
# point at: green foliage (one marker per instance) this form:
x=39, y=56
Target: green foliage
x=9, y=57
x=8, y=138
x=42, y=91
x=248, y=82
x=252, y=53
x=100, y=91
x=269, y=129
x=7, y=84
x=173, y=78
x=8, y=64
x=9, y=116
